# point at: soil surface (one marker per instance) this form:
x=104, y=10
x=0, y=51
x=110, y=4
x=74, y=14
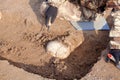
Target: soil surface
x=103, y=71
x=23, y=38
x=10, y=72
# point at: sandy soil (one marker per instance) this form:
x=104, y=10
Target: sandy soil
x=103, y=71
x=23, y=38
x=7, y=70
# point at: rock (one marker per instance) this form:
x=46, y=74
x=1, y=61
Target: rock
x=56, y=1
x=69, y=11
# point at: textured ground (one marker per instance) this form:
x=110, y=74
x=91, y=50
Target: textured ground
x=10, y=72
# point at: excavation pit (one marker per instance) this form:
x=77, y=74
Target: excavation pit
x=75, y=66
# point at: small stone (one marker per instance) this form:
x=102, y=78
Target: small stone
x=38, y=36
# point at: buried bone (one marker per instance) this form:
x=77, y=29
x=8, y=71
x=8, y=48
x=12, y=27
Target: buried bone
x=63, y=49
x=57, y=49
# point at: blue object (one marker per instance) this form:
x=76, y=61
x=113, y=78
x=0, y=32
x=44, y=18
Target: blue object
x=99, y=24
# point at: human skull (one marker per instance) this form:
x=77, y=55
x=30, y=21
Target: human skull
x=57, y=49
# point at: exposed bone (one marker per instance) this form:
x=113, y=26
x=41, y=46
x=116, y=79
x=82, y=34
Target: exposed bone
x=63, y=49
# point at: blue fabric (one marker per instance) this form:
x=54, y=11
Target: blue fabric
x=99, y=24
